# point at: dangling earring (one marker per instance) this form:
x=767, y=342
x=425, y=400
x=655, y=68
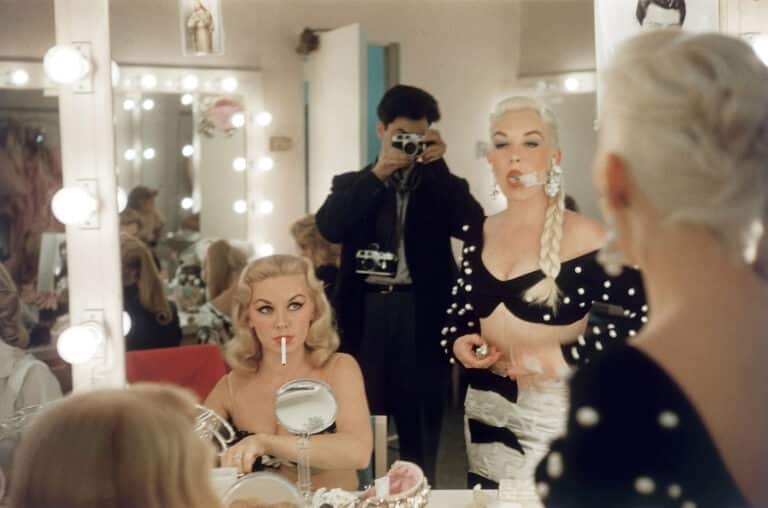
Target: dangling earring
x=554, y=180
x=495, y=192
x=610, y=256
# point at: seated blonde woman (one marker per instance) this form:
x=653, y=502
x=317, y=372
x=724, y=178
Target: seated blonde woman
x=323, y=254
x=221, y=269
x=113, y=448
x=279, y=296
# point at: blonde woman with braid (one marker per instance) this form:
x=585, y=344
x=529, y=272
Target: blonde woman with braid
x=527, y=281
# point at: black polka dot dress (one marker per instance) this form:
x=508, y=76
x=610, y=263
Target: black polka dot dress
x=633, y=440
x=508, y=428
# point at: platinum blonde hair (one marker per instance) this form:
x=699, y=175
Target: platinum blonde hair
x=689, y=114
x=244, y=350
x=546, y=291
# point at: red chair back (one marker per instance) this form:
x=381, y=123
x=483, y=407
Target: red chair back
x=196, y=367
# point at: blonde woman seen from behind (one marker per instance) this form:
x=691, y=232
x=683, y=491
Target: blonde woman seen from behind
x=679, y=418
x=279, y=296
x=323, y=254
x=114, y=449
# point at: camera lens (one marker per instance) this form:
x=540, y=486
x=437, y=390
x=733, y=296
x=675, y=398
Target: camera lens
x=410, y=148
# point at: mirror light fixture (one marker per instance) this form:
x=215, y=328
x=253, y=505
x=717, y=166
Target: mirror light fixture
x=129, y=154
x=187, y=203
x=126, y=323
x=187, y=99
x=266, y=207
x=266, y=163
x=76, y=205
x=80, y=343
x=229, y=84
x=148, y=104
x=240, y=206
x=237, y=120
x=189, y=82
x=19, y=77
x=571, y=84
x=239, y=164
x=69, y=64
x=148, y=153
x=759, y=43
x=148, y=81
x=122, y=199
x=129, y=104
x=188, y=150
x=264, y=118
x=265, y=249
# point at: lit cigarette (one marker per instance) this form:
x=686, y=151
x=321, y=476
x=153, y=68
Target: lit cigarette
x=282, y=351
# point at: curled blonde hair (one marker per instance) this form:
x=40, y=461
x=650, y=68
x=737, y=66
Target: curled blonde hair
x=12, y=330
x=114, y=448
x=137, y=259
x=689, y=115
x=307, y=236
x=546, y=291
x=244, y=350
x=222, y=261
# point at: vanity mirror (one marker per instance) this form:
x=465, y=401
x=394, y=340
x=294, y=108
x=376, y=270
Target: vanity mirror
x=305, y=407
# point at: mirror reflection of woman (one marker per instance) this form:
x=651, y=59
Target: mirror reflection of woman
x=528, y=278
x=323, y=254
x=679, y=418
x=279, y=296
x=221, y=270
x=154, y=319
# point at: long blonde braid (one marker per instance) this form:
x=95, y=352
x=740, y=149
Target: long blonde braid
x=546, y=291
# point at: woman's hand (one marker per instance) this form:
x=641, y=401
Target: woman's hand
x=244, y=454
x=463, y=349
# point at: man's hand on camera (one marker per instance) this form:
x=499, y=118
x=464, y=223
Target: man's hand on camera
x=390, y=158
x=435, y=147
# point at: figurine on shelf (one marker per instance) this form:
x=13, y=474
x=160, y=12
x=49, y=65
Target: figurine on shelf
x=200, y=22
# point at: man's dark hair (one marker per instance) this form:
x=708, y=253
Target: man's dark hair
x=642, y=8
x=409, y=102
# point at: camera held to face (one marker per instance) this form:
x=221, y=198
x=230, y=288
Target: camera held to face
x=373, y=261
x=410, y=143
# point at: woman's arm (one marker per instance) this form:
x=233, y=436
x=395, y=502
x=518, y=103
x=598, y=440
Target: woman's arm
x=350, y=447
x=218, y=399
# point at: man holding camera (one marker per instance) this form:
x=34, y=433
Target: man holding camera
x=394, y=219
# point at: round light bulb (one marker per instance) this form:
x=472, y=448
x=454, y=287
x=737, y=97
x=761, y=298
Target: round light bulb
x=129, y=104
x=148, y=104
x=571, y=84
x=265, y=249
x=73, y=205
x=237, y=120
x=79, y=344
x=122, y=199
x=240, y=206
x=760, y=45
x=266, y=207
x=126, y=323
x=187, y=203
x=188, y=150
x=129, y=154
x=19, y=77
x=239, y=164
x=65, y=64
x=148, y=81
x=266, y=163
x=148, y=153
x=229, y=84
x=115, y=73
x=189, y=82
x=187, y=99
x=264, y=118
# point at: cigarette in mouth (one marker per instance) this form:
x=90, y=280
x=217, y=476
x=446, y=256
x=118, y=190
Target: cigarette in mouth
x=282, y=351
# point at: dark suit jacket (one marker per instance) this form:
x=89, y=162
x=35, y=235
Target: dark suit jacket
x=437, y=209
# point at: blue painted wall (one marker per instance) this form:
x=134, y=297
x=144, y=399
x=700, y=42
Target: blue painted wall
x=376, y=76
